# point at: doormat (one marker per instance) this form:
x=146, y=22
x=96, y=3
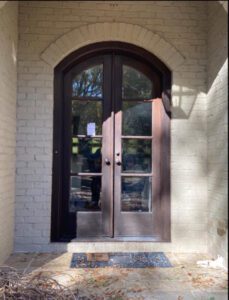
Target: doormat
x=120, y=260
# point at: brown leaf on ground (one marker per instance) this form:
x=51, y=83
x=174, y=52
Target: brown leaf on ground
x=202, y=281
x=136, y=289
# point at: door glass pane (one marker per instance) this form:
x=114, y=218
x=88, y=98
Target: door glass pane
x=136, y=118
x=85, y=193
x=86, y=117
x=88, y=83
x=136, y=156
x=86, y=155
x=136, y=194
x=135, y=84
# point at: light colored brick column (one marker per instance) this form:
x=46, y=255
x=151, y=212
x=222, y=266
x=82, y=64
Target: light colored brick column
x=8, y=89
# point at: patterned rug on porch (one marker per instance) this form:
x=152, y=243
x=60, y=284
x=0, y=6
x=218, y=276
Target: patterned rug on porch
x=120, y=260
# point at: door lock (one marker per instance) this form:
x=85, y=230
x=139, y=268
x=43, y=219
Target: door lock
x=107, y=161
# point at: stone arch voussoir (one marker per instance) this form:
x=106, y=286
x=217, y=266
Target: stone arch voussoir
x=123, y=32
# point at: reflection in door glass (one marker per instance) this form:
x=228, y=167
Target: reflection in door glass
x=89, y=83
x=85, y=193
x=136, y=194
x=136, y=118
x=85, y=113
x=135, y=84
x=136, y=156
x=86, y=155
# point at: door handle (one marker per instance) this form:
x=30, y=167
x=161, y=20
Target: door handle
x=118, y=162
x=107, y=161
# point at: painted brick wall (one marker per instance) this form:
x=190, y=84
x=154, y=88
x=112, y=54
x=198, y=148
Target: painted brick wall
x=217, y=123
x=8, y=87
x=181, y=23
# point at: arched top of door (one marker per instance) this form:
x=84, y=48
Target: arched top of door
x=125, y=49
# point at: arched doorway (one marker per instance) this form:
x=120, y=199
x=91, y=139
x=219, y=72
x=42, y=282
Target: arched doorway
x=111, y=174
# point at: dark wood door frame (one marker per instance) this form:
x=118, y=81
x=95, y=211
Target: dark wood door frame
x=63, y=223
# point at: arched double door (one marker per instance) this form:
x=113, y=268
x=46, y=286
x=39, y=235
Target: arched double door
x=111, y=131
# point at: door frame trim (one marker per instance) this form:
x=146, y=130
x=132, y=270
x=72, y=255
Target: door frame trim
x=58, y=233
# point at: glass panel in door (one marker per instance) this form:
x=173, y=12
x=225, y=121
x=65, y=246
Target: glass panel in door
x=86, y=152
x=136, y=118
x=135, y=84
x=89, y=82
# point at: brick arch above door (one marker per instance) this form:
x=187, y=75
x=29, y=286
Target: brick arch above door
x=122, y=32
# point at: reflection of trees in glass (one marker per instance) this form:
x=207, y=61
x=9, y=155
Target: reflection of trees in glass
x=88, y=83
x=135, y=84
x=136, y=155
x=84, y=112
x=136, y=194
x=136, y=118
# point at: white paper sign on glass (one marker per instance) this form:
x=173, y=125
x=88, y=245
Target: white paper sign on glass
x=91, y=129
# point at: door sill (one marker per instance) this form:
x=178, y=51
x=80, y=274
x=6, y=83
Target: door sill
x=118, y=239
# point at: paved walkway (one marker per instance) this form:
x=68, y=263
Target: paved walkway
x=185, y=280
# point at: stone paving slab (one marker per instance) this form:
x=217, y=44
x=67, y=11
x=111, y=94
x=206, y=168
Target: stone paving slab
x=185, y=280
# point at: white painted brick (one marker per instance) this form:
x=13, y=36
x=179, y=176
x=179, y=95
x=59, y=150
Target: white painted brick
x=8, y=88
x=217, y=133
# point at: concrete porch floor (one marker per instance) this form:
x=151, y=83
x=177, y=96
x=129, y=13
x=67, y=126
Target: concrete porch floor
x=185, y=280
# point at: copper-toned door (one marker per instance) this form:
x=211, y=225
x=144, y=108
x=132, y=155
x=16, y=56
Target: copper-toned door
x=88, y=140
x=112, y=144
x=137, y=150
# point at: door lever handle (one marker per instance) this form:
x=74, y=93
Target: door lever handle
x=107, y=161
